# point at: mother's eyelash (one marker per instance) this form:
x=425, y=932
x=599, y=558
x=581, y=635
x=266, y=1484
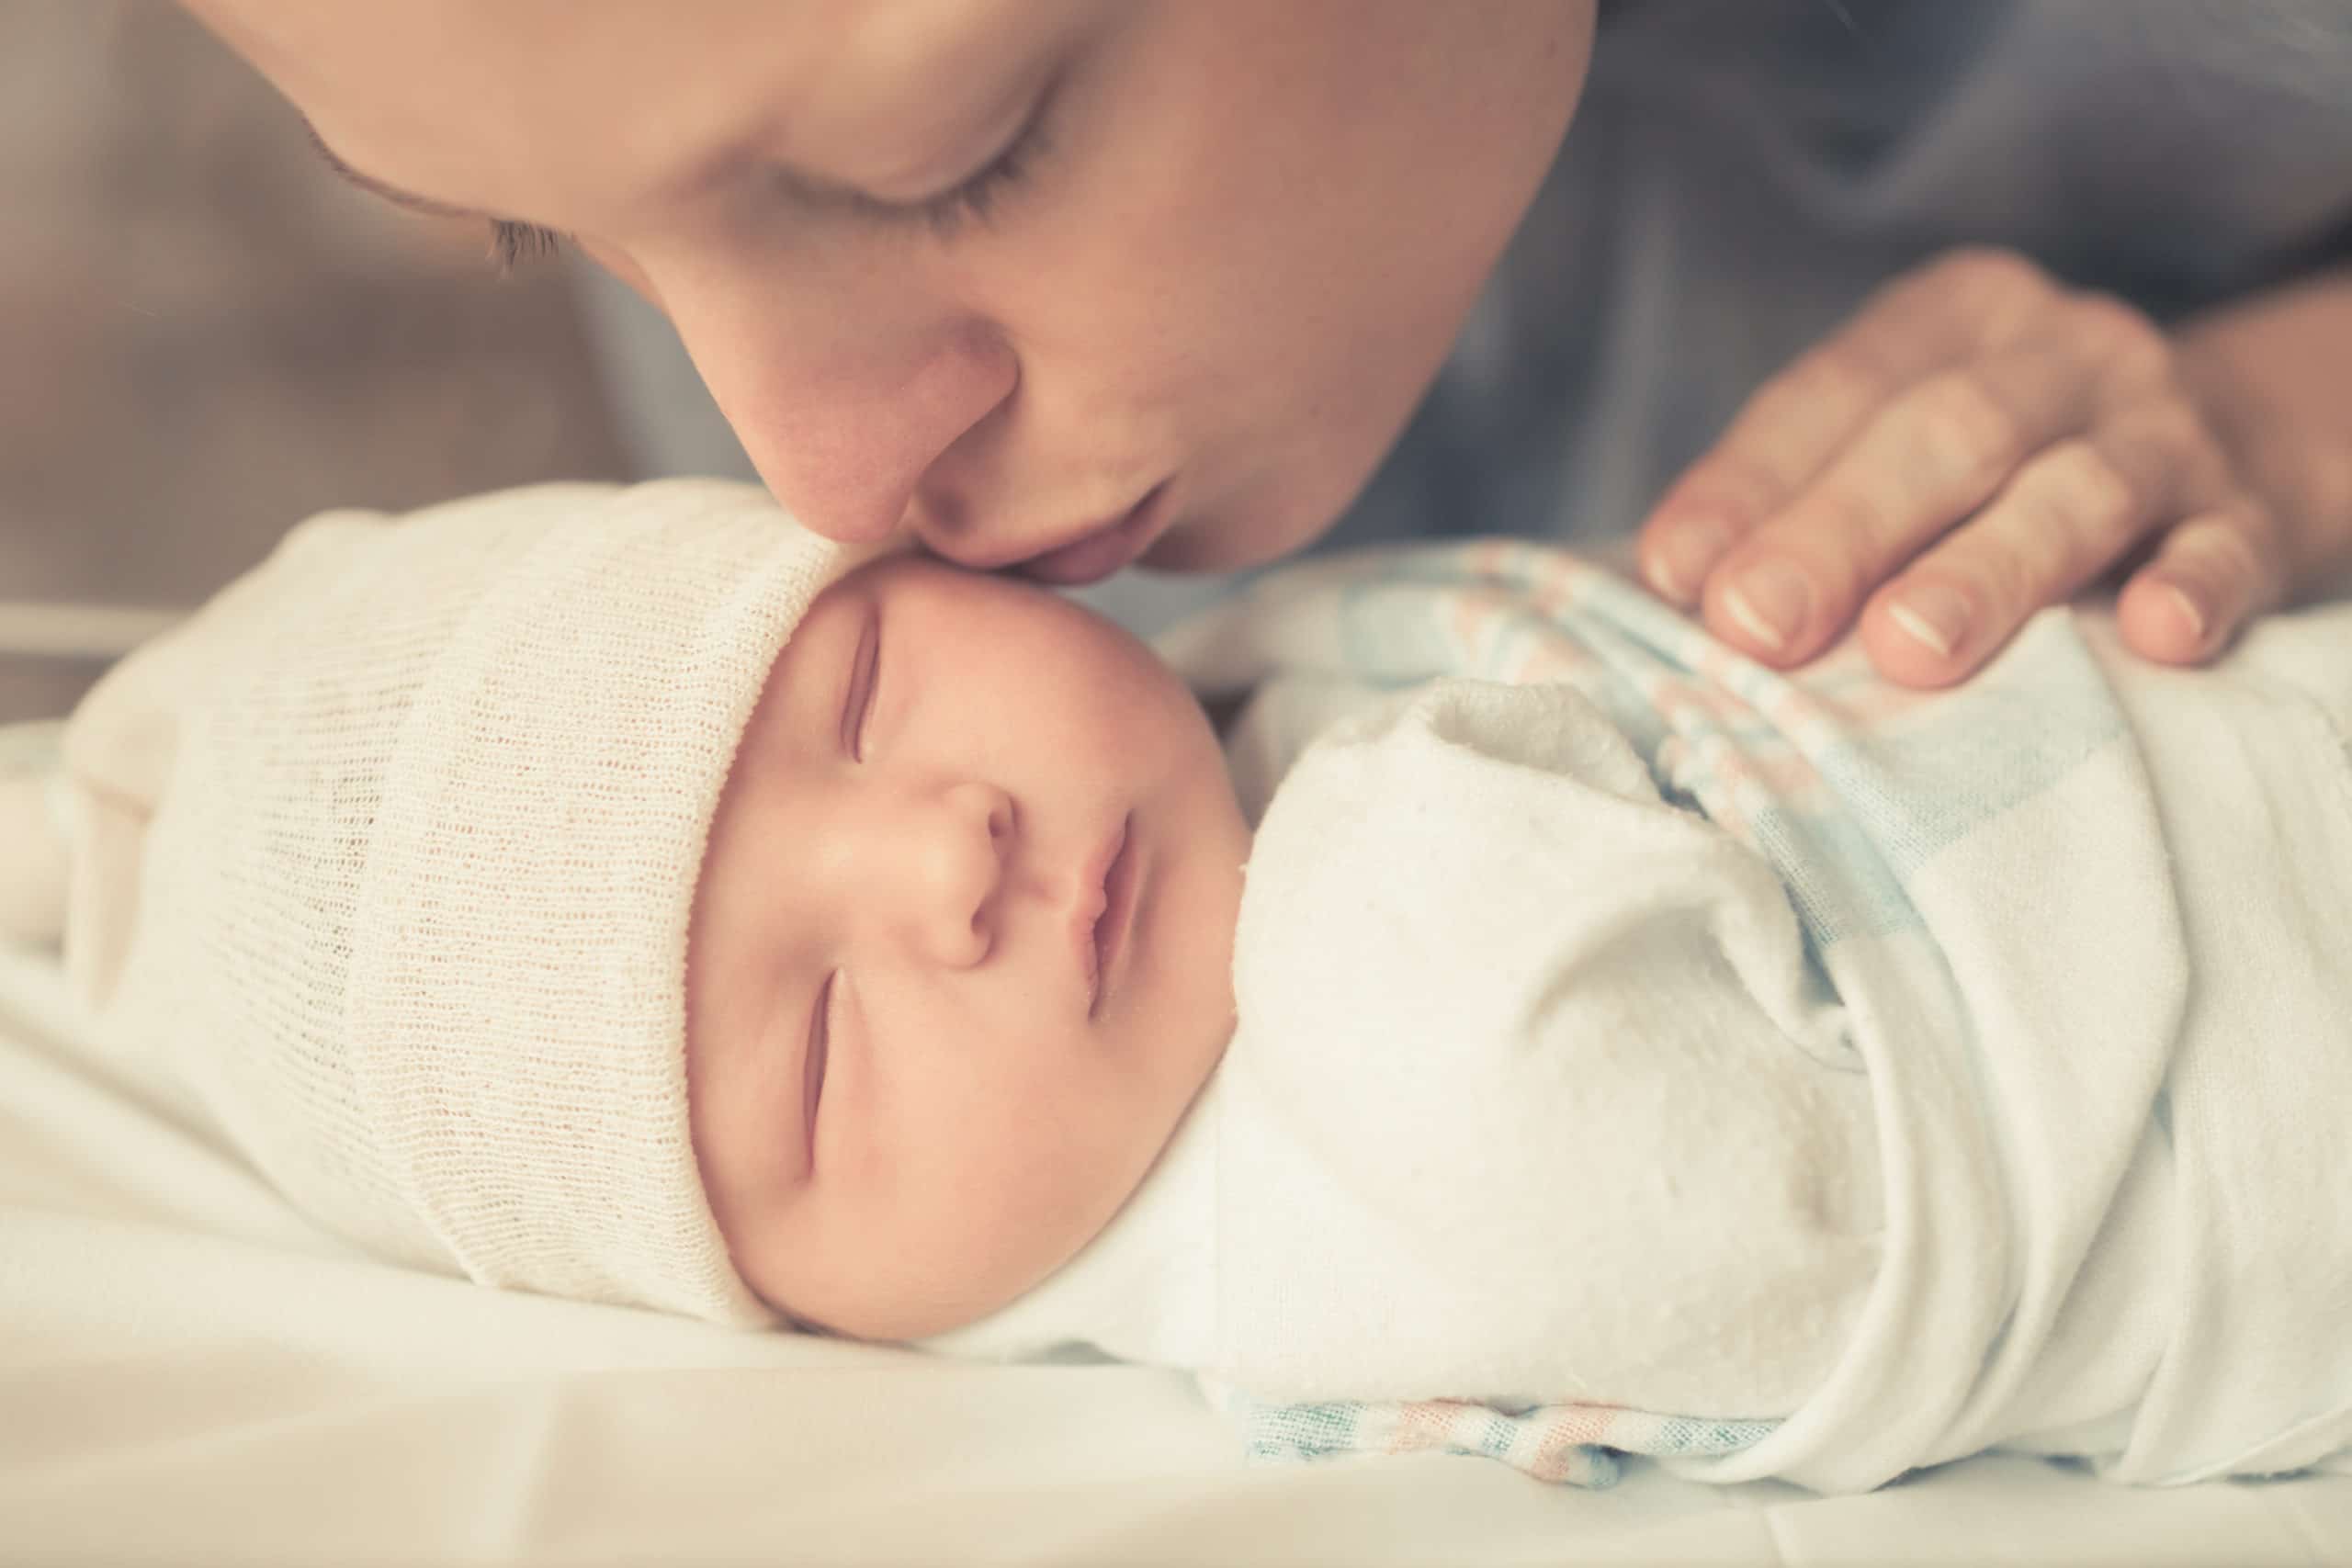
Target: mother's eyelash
x=975, y=199
x=513, y=244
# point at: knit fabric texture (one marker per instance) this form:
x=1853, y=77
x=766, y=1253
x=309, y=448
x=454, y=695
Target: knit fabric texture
x=414, y=903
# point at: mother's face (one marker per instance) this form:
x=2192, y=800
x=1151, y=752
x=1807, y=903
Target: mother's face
x=1063, y=281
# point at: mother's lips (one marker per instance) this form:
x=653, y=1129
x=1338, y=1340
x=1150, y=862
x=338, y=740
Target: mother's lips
x=1097, y=554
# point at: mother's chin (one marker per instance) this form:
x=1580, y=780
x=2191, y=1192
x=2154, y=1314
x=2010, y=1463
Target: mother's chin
x=1254, y=526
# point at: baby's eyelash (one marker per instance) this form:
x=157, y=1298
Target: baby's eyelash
x=857, y=702
x=513, y=244
x=812, y=1067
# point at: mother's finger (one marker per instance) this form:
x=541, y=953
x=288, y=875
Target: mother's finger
x=2210, y=574
x=2066, y=517
x=1932, y=457
x=1795, y=423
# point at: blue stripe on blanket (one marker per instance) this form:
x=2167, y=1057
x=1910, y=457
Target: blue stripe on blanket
x=1566, y=1445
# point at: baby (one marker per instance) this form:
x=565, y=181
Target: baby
x=628, y=895
x=961, y=947
x=631, y=896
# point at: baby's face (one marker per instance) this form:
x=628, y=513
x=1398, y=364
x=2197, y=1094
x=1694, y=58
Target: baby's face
x=962, y=947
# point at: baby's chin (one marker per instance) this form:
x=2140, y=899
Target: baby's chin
x=942, y=1301
x=925, y=1312
x=919, y=1304
x=924, y=1309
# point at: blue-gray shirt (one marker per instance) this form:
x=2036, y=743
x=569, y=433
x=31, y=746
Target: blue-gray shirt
x=1743, y=173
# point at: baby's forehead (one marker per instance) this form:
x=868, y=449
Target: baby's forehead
x=979, y=647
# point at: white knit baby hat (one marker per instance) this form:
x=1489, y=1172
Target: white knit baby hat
x=414, y=903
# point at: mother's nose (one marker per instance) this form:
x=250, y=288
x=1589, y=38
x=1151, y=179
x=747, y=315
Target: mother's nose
x=844, y=392
x=940, y=864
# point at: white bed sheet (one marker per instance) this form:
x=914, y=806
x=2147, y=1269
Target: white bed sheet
x=189, y=1372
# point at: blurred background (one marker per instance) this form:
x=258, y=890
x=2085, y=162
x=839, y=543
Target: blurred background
x=205, y=336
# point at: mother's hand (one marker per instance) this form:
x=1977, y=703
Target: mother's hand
x=1978, y=441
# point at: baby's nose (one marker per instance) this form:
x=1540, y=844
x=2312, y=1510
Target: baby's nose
x=949, y=870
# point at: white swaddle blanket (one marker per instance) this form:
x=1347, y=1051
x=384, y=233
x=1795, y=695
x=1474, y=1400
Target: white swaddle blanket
x=2081, y=922
x=1532, y=1094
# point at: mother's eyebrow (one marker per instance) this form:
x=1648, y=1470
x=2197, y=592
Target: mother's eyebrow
x=391, y=193
x=797, y=187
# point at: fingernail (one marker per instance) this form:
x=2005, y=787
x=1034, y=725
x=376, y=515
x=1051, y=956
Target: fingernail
x=1679, y=563
x=1770, y=603
x=2191, y=610
x=1935, y=618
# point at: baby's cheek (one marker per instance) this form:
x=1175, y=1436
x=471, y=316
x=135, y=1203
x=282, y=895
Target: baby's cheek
x=1060, y=1161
